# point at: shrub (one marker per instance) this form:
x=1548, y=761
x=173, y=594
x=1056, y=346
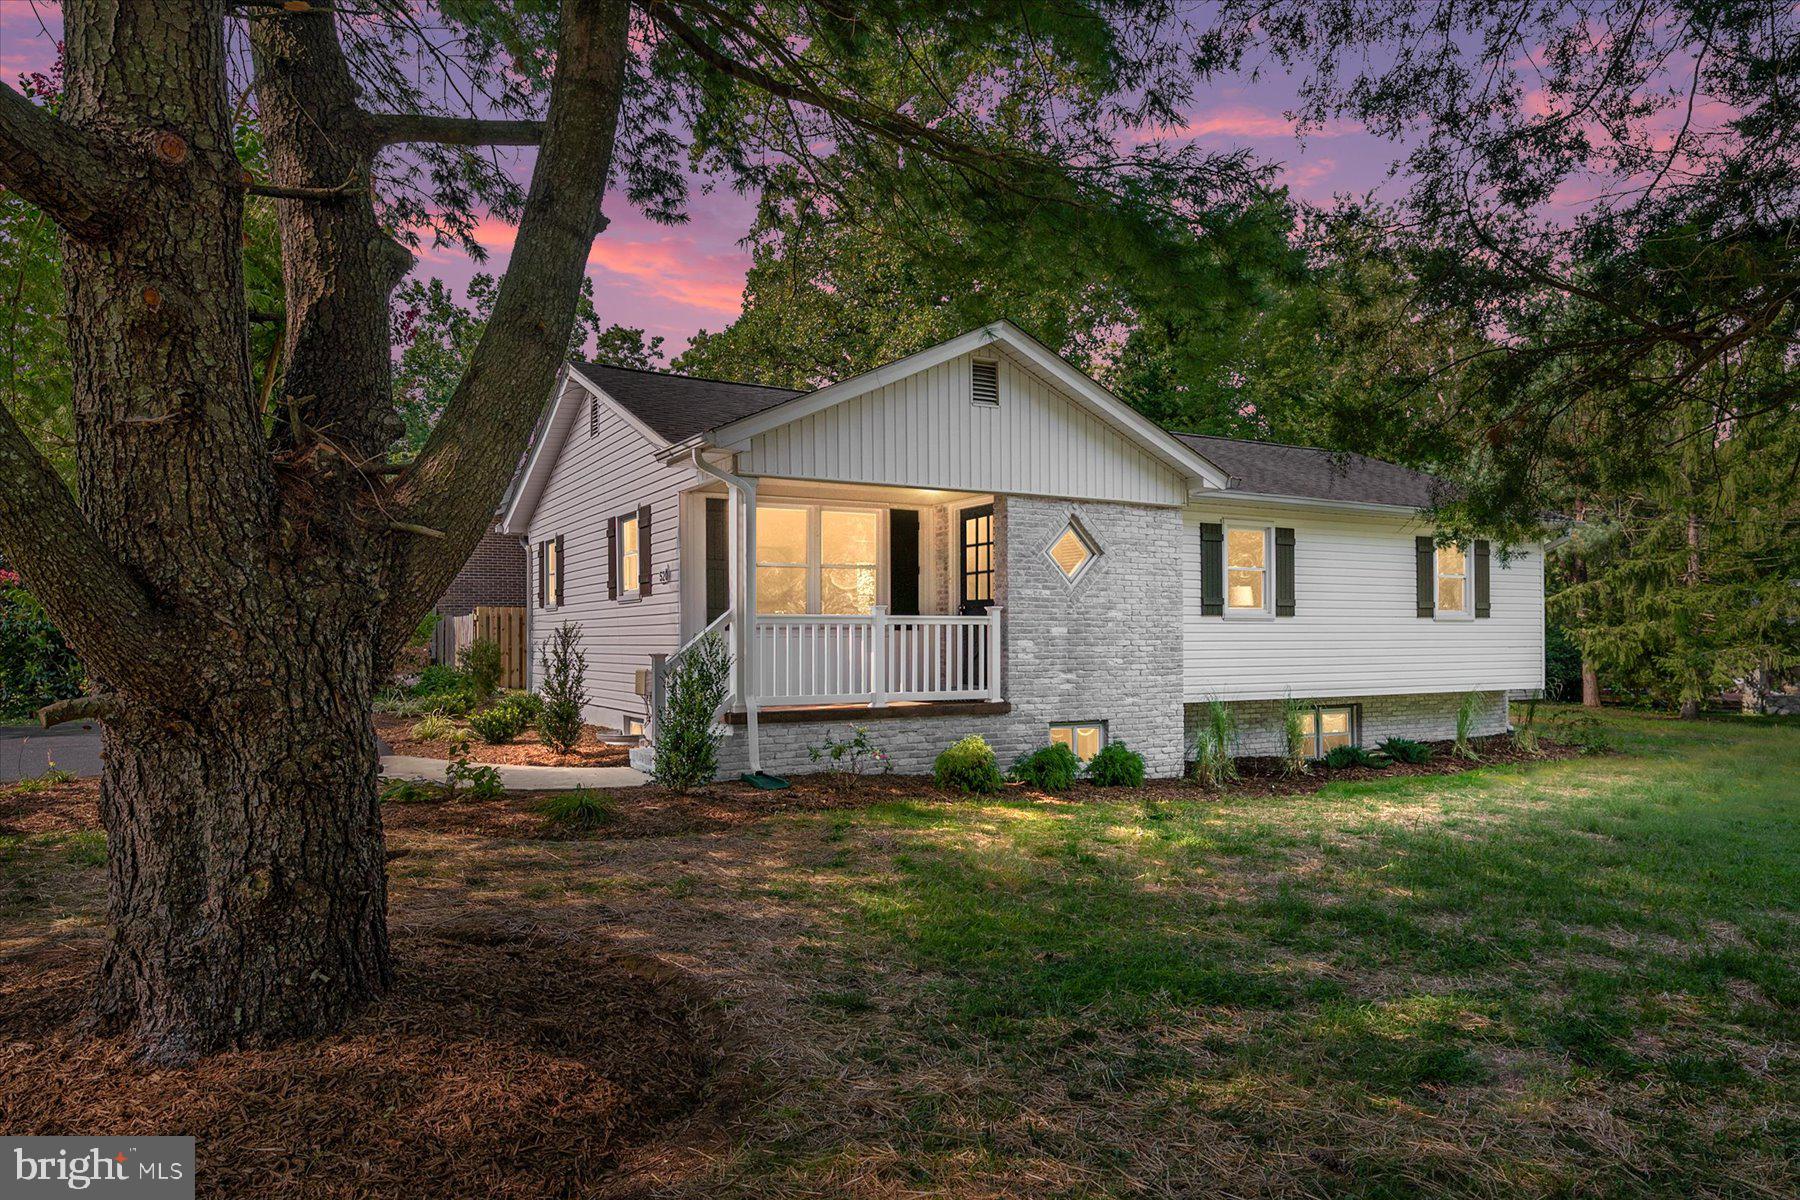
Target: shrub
x=439, y=678
x=434, y=728
x=687, y=743
x=458, y=739
x=36, y=665
x=1117, y=765
x=497, y=725
x=1562, y=664
x=1343, y=757
x=1466, y=712
x=564, y=689
x=480, y=661
x=1051, y=768
x=968, y=766
x=1584, y=731
x=1294, y=714
x=579, y=809
x=1525, y=733
x=851, y=755
x=410, y=791
x=421, y=634
x=527, y=705
x=482, y=781
x=1405, y=750
x=1213, y=764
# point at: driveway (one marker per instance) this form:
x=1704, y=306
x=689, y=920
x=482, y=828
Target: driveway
x=26, y=751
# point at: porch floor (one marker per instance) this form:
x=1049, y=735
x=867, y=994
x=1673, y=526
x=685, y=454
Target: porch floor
x=894, y=710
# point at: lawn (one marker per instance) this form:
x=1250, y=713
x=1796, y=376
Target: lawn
x=1568, y=978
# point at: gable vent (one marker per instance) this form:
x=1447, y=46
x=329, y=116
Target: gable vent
x=985, y=378
x=593, y=416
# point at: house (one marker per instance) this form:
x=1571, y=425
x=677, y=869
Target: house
x=493, y=575
x=981, y=539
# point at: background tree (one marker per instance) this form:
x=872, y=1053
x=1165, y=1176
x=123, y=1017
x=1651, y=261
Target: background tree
x=241, y=554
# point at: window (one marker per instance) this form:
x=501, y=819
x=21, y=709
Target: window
x=634, y=727
x=984, y=381
x=1452, y=581
x=630, y=555
x=1246, y=570
x=550, y=576
x=1071, y=552
x=813, y=559
x=1329, y=728
x=1084, y=739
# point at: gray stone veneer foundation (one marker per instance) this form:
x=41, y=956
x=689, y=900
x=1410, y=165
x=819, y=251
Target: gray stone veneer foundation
x=1106, y=647
x=1428, y=717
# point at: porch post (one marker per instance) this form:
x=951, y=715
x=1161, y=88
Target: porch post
x=993, y=640
x=742, y=570
x=878, y=656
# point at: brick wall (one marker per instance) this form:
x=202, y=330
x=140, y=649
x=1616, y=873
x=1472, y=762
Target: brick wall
x=1429, y=717
x=494, y=575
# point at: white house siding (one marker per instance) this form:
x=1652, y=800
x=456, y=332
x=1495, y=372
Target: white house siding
x=926, y=431
x=1424, y=717
x=596, y=477
x=1105, y=649
x=1354, y=631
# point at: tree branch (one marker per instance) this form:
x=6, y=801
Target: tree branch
x=458, y=478
x=55, y=167
x=82, y=708
x=388, y=128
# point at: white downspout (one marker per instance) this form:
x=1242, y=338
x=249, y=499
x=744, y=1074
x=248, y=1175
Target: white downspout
x=743, y=592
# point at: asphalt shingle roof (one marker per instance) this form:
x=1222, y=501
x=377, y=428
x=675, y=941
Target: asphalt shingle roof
x=1274, y=469
x=679, y=406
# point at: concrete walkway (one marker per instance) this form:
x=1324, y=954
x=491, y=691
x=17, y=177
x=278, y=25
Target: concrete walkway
x=27, y=751
x=517, y=778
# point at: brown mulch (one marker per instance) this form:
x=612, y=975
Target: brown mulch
x=508, y=1061
x=1268, y=777
x=525, y=750
x=58, y=808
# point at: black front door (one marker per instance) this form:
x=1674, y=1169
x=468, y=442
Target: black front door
x=977, y=558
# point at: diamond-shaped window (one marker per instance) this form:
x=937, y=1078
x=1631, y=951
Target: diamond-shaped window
x=1071, y=552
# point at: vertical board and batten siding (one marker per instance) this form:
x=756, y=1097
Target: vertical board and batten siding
x=1355, y=629
x=597, y=477
x=926, y=430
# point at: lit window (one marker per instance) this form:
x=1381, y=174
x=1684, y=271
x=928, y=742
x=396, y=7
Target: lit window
x=817, y=560
x=1085, y=740
x=552, y=580
x=1247, y=570
x=1329, y=728
x=1071, y=552
x=628, y=554
x=634, y=727
x=849, y=541
x=781, y=558
x=1452, y=580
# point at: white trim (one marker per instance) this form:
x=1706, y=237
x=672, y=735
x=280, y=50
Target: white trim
x=541, y=461
x=1149, y=435
x=1242, y=497
x=1467, y=611
x=1267, y=611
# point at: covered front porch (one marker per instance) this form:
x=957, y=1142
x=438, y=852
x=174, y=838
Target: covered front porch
x=860, y=595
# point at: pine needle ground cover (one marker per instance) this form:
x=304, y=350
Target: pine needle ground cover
x=1568, y=977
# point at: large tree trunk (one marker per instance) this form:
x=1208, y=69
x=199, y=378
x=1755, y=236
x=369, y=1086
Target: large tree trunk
x=248, y=891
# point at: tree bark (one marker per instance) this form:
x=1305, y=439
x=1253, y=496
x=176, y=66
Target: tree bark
x=1690, y=704
x=1590, y=678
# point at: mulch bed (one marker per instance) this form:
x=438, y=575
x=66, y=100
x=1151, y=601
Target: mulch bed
x=507, y=1062
x=58, y=808
x=525, y=750
x=1268, y=776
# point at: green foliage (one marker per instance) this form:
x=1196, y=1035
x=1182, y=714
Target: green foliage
x=36, y=665
x=851, y=755
x=1051, y=768
x=481, y=781
x=411, y=791
x=564, y=688
x=528, y=705
x=433, y=728
x=1343, y=757
x=440, y=679
x=581, y=809
x=1296, y=745
x=968, y=765
x=421, y=634
x=1466, y=714
x=51, y=776
x=687, y=739
x=1582, y=730
x=1525, y=732
x=1405, y=750
x=1116, y=765
x=497, y=725
x=1214, y=765
x=1562, y=664
x=480, y=662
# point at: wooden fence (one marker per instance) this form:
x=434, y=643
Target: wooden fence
x=503, y=626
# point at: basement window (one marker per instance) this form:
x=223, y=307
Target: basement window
x=1327, y=728
x=1084, y=738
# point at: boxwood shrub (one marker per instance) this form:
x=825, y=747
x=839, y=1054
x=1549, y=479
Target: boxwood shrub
x=1116, y=765
x=1051, y=768
x=968, y=766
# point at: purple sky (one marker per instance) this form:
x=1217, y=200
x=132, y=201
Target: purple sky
x=675, y=280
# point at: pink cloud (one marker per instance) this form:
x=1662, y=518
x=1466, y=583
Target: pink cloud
x=679, y=270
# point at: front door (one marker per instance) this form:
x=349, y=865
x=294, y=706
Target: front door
x=976, y=595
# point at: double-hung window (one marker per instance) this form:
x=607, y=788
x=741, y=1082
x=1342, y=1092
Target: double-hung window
x=1453, y=590
x=1247, y=559
x=813, y=558
x=630, y=555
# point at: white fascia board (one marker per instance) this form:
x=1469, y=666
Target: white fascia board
x=1236, y=497
x=542, y=460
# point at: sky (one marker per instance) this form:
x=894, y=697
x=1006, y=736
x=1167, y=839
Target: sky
x=673, y=281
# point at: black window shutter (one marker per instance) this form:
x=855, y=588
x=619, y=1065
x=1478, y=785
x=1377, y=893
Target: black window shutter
x=1424, y=550
x=1284, y=572
x=1212, y=570
x=903, y=561
x=612, y=558
x=643, y=579
x=540, y=574
x=718, y=559
x=561, y=558
x=1481, y=579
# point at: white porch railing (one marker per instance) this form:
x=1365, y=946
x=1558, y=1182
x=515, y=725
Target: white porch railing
x=876, y=658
